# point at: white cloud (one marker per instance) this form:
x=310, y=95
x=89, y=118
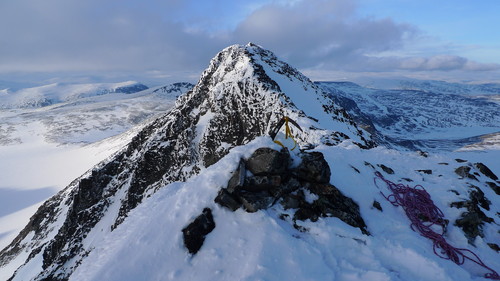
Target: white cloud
x=151, y=36
x=317, y=32
x=439, y=62
x=65, y=35
x=443, y=63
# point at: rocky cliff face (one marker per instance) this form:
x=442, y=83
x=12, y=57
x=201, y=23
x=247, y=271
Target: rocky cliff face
x=242, y=94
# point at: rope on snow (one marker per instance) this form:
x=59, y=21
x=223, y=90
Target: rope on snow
x=424, y=216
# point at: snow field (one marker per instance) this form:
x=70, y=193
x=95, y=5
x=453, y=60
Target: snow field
x=261, y=246
x=42, y=150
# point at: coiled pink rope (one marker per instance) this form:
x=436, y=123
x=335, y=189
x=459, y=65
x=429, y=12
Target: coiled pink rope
x=425, y=216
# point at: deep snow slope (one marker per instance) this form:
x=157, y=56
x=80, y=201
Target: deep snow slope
x=123, y=220
x=43, y=149
x=243, y=92
x=425, y=115
x=262, y=246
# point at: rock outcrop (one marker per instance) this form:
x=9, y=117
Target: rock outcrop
x=268, y=177
x=194, y=234
x=473, y=219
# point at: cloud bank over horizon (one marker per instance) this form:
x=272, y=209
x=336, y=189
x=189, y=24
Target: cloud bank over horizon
x=175, y=38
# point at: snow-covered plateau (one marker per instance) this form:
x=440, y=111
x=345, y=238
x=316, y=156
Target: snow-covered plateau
x=43, y=149
x=426, y=115
x=131, y=172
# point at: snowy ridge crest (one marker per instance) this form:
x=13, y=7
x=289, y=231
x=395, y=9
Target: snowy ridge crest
x=240, y=96
x=56, y=93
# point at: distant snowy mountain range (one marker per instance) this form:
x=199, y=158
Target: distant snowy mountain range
x=417, y=114
x=404, y=83
x=199, y=161
x=43, y=149
x=425, y=115
x=57, y=93
x=83, y=113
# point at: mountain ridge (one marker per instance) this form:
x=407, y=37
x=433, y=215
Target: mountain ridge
x=47, y=95
x=234, y=102
x=124, y=219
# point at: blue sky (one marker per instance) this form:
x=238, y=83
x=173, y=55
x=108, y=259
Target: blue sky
x=172, y=40
x=471, y=26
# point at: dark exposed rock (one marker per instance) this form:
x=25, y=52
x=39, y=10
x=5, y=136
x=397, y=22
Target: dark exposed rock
x=494, y=247
x=288, y=188
x=369, y=164
x=237, y=180
x=423, y=153
x=332, y=203
x=386, y=169
x=226, y=199
x=175, y=89
x=477, y=197
x=355, y=169
x=85, y=208
x=46, y=212
x=377, y=206
x=130, y=89
x=306, y=213
x=260, y=183
x=267, y=161
x=313, y=168
x=464, y=172
x=429, y=172
x=254, y=201
x=460, y=160
x=194, y=234
x=494, y=187
x=471, y=222
x=291, y=201
x=459, y=204
x=486, y=171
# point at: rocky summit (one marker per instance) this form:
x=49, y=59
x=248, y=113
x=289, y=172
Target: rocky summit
x=239, y=97
x=203, y=192
x=268, y=177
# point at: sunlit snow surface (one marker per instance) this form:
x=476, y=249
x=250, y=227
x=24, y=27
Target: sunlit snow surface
x=43, y=149
x=38, y=158
x=261, y=246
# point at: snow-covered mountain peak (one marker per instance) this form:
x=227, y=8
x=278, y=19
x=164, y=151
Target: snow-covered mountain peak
x=240, y=97
x=243, y=61
x=125, y=218
x=254, y=77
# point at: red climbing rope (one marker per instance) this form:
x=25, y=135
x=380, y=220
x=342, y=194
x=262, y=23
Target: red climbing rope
x=425, y=218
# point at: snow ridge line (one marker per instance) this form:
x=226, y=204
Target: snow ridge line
x=424, y=214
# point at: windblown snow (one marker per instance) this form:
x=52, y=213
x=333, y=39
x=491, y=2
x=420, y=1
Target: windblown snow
x=43, y=149
x=145, y=241
x=261, y=246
